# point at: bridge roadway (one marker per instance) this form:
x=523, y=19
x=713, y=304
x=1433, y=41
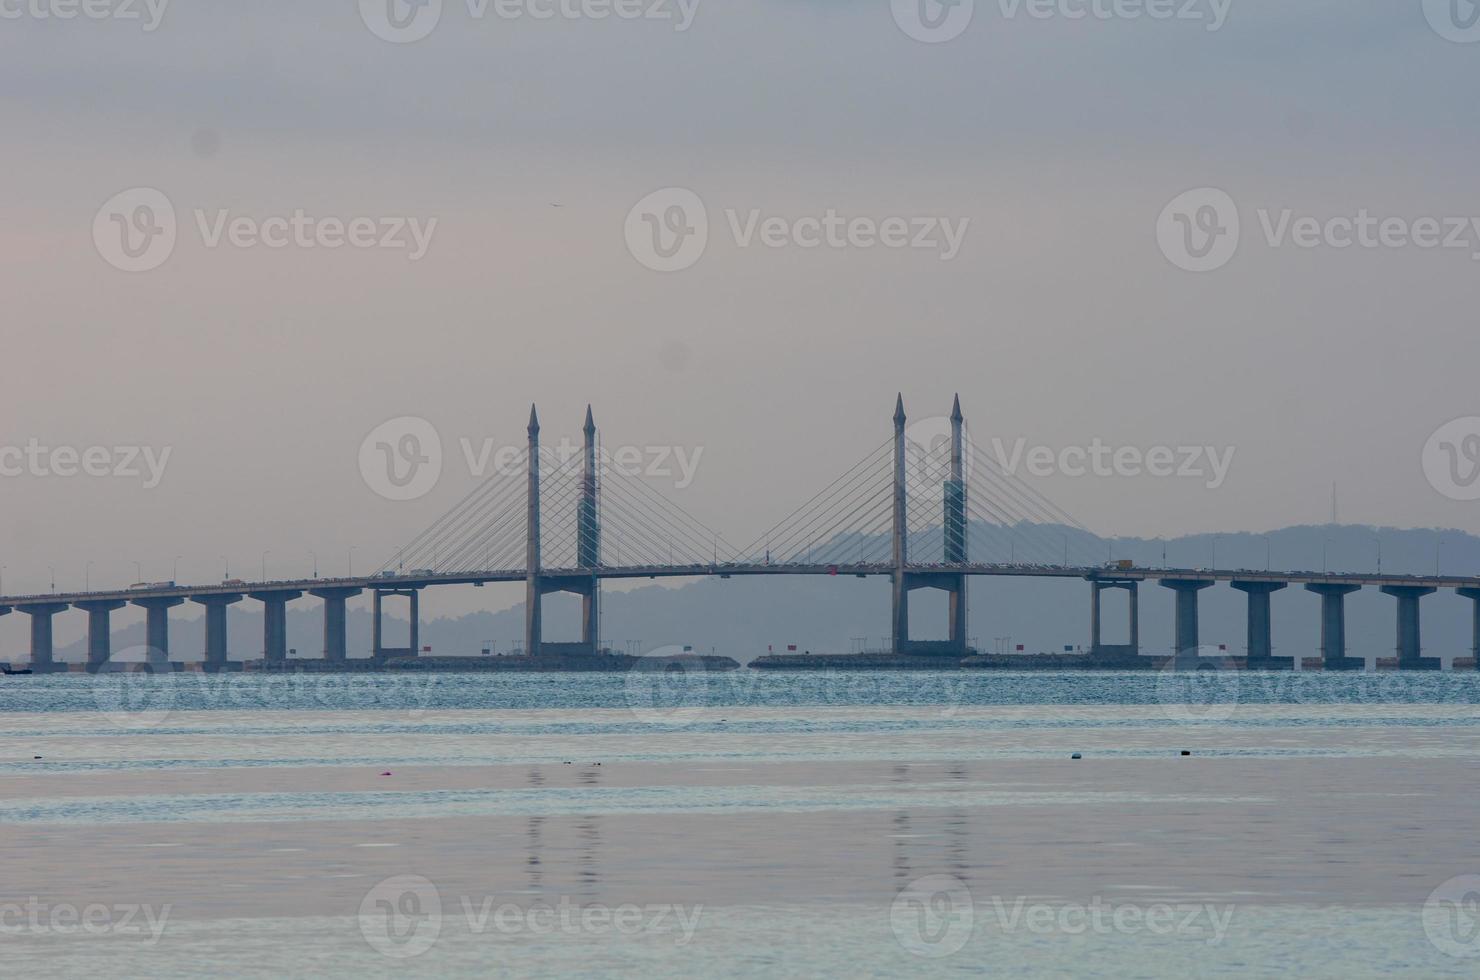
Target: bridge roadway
x=1091, y=573
x=1332, y=587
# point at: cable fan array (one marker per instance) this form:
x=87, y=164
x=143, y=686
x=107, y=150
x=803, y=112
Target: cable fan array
x=851, y=521
x=633, y=526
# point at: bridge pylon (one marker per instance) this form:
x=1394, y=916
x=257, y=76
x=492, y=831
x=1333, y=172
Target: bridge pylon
x=583, y=581
x=955, y=531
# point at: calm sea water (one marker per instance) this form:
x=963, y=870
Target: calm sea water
x=692, y=824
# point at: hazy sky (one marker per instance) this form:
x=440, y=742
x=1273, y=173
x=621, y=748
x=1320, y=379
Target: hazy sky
x=1056, y=143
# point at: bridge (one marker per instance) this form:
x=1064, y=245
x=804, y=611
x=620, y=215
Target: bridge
x=924, y=509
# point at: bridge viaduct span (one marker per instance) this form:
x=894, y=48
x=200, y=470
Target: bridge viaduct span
x=908, y=512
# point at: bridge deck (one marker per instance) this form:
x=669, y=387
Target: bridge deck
x=1092, y=573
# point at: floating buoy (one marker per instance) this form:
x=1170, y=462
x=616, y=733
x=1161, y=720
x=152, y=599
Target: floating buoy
x=1076, y=755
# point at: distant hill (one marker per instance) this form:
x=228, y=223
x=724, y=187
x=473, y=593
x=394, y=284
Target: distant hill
x=743, y=617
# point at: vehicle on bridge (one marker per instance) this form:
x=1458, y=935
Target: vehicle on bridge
x=150, y=586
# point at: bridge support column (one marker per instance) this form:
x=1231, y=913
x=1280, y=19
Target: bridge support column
x=533, y=587
x=275, y=625
x=1114, y=652
x=1261, y=633
x=378, y=649
x=1474, y=596
x=1333, y=626
x=588, y=541
x=157, y=629
x=1410, y=650
x=41, y=644
x=336, y=645
x=217, y=659
x=99, y=632
x=586, y=586
x=900, y=618
x=955, y=527
x=1186, y=642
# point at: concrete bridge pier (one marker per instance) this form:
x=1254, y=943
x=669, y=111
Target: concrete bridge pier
x=588, y=587
x=157, y=629
x=99, y=631
x=1474, y=596
x=215, y=647
x=1333, y=626
x=1261, y=638
x=378, y=649
x=336, y=646
x=1185, y=630
x=275, y=624
x=952, y=583
x=1410, y=651
x=41, y=645
x=1106, y=651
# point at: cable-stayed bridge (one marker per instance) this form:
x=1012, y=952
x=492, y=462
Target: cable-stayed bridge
x=925, y=509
